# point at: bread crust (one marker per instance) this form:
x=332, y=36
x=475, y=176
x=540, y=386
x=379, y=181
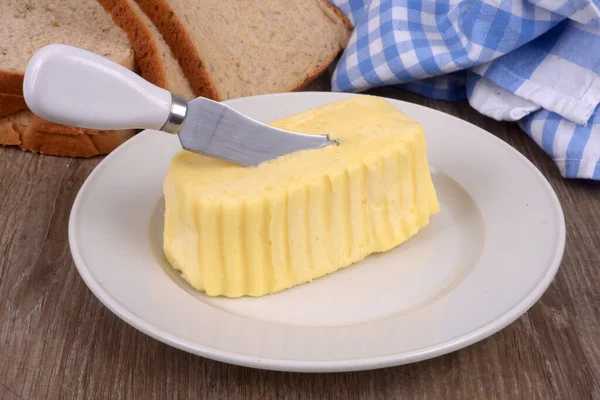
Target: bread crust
x=10, y=104
x=176, y=36
x=37, y=135
x=339, y=13
x=12, y=127
x=48, y=138
x=11, y=82
x=147, y=55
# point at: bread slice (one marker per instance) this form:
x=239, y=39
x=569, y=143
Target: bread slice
x=10, y=104
x=35, y=134
x=152, y=54
x=29, y=25
x=230, y=49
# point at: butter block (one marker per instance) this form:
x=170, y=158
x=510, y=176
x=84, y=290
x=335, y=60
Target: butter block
x=236, y=231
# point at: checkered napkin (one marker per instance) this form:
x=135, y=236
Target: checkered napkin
x=536, y=62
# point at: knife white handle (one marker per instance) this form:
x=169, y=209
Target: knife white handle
x=75, y=87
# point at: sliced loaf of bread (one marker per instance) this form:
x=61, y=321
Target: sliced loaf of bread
x=152, y=54
x=230, y=49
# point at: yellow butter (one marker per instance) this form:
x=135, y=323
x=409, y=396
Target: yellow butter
x=238, y=231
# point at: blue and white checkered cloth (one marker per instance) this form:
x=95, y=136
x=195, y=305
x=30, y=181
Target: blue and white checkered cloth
x=536, y=62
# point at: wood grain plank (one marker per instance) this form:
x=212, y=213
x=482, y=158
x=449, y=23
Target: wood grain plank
x=58, y=341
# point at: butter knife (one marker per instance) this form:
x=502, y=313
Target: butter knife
x=74, y=87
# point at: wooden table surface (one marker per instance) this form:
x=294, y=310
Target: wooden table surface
x=58, y=341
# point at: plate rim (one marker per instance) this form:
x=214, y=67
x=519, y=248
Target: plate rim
x=356, y=364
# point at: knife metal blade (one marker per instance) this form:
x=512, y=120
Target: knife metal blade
x=217, y=130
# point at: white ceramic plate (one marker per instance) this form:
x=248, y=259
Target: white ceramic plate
x=481, y=263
